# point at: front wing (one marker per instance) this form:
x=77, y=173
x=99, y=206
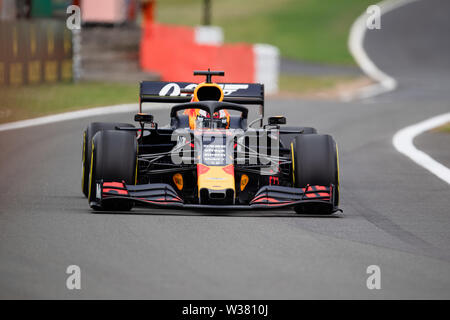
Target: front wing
x=164, y=195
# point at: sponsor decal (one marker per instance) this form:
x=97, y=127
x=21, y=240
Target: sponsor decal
x=173, y=89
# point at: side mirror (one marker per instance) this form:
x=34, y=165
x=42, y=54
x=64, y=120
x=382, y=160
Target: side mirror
x=143, y=117
x=277, y=120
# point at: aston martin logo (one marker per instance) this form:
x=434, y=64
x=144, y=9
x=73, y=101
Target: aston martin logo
x=173, y=89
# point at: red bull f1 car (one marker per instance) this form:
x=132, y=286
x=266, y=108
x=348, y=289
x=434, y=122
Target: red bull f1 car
x=210, y=156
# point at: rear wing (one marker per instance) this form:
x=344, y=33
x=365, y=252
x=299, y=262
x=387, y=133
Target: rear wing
x=179, y=92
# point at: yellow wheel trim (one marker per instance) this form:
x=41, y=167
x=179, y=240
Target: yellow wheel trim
x=293, y=164
x=338, y=174
x=83, y=164
x=90, y=171
x=136, y=172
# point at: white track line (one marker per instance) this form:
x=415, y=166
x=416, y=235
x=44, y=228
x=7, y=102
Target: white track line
x=385, y=83
x=122, y=108
x=403, y=139
x=403, y=142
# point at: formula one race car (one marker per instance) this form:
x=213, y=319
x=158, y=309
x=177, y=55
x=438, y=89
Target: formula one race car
x=209, y=157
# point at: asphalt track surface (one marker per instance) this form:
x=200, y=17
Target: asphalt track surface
x=436, y=144
x=396, y=214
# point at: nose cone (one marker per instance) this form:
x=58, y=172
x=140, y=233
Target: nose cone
x=216, y=183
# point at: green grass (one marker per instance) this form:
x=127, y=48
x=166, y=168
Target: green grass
x=18, y=103
x=445, y=128
x=308, y=84
x=310, y=30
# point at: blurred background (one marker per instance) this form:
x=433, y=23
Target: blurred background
x=295, y=47
x=396, y=210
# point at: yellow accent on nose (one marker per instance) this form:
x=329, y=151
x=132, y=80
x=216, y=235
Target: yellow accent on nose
x=216, y=178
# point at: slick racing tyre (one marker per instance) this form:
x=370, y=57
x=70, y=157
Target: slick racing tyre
x=113, y=158
x=286, y=139
x=315, y=162
x=88, y=134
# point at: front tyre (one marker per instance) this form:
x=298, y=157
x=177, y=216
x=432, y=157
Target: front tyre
x=315, y=162
x=113, y=159
x=88, y=134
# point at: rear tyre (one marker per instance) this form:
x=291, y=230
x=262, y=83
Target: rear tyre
x=88, y=134
x=286, y=139
x=315, y=162
x=113, y=158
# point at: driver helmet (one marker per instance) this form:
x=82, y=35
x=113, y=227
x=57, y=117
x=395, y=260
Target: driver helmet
x=201, y=118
